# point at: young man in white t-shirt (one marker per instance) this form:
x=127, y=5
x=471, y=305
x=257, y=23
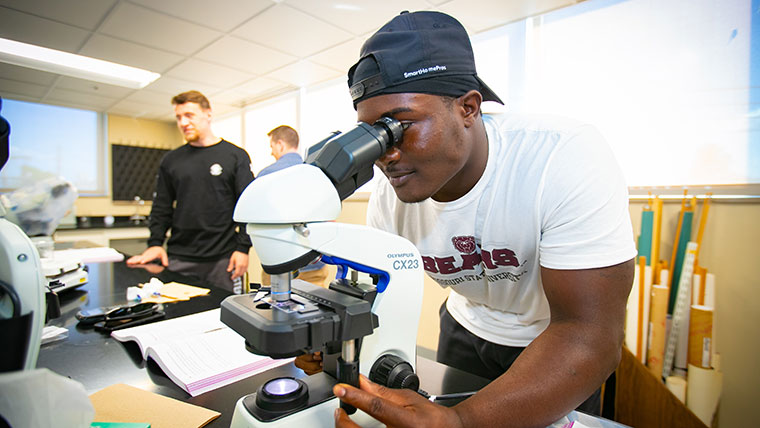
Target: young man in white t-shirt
x=524, y=218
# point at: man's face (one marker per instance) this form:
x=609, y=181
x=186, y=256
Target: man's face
x=433, y=156
x=193, y=121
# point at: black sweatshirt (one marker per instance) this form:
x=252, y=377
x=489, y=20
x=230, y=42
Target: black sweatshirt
x=205, y=183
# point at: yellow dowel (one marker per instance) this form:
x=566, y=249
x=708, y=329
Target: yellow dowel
x=639, y=327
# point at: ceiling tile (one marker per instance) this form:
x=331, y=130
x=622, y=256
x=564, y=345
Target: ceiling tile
x=85, y=14
x=304, y=73
x=196, y=70
x=90, y=101
x=233, y=98
x=341, y=57
x=244, y=55
x=28, y=75
x=128, y=53
x=220, y=109
x=13, y=89
x=169, y=117
x=19, y=97
x=140, y=25
x=92, y=88
x=269, y=27
x=357, y=16
x=171, y=86
x=469, y=12
x=222, y=15
x=157, y=99
x=135, y=109
x=252, y=89
x=26, y=28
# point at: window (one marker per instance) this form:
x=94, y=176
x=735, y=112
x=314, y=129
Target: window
x=47, y=140
x=261, y=119
x=229, y=128
x=669, y=84
x=326, y=108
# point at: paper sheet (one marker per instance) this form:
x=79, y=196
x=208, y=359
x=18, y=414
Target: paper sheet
x=124, y=403
x=90, y=255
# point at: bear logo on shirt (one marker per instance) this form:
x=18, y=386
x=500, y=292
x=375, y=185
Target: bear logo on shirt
x=464, y=244
x=215, y=169
x=470, y=259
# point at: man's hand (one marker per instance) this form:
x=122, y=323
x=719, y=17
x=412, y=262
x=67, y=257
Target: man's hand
x=393, y=407
x=150, y=267
x=150, y=254
x=309, y=363
x=238, y=264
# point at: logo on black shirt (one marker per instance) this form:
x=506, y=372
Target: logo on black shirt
x=215, y=169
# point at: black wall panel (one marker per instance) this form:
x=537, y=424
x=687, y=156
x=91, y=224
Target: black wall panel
x=133, y=171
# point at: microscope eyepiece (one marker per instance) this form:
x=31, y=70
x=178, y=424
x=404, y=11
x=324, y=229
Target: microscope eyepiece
x=392, y=127
x=347, y=158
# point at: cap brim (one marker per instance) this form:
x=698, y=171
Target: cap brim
x=487, y=93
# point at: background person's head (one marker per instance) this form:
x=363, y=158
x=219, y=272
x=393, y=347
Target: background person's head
x=193, y=113
x=283, y=139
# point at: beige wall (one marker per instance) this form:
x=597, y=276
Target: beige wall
x=730, y=251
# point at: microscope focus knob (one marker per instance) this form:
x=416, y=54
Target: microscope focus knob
x=393, y=372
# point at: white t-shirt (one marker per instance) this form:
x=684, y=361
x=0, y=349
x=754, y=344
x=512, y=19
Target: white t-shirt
x=552, y=195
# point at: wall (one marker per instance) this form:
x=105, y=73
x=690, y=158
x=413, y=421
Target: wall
x=129, y=132
x=729, y=250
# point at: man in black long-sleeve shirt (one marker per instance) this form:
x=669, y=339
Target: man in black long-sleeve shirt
x=197, y=188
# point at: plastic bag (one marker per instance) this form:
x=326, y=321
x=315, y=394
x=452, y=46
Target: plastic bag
x=41, y=398
x=39, y=208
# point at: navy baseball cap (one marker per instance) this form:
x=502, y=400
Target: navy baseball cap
x=421, y=52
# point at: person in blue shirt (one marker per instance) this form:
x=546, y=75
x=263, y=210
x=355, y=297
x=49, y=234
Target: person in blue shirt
x=284, y=143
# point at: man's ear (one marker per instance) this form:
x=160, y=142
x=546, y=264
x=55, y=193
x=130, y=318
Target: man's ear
x=470, y=103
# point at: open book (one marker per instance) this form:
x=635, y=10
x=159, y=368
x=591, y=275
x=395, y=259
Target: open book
x=198, y=352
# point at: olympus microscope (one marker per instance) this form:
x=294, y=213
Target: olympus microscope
x=359, y=328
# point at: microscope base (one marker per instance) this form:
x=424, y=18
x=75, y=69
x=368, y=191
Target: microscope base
x=320, y=416
x=320, y=413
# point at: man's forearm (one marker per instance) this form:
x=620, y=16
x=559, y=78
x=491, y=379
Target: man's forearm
x=550, y=378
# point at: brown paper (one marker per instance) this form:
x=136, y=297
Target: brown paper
x=700, y=336
x=176, y=292
x=124, y=403
x=657, y=318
